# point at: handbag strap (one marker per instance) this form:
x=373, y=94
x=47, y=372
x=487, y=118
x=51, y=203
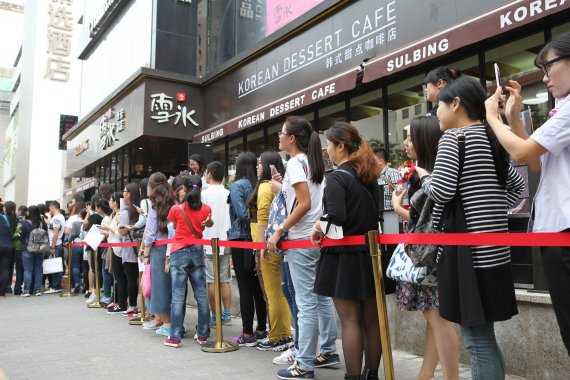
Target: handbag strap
x=361, y=185
x=188, y=222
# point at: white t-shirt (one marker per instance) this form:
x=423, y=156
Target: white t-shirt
x=297, y=173
x=216, y=196
x=552, y=198
x=57, y=221
x=70, y=220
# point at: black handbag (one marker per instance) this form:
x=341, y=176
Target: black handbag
x=422, y=255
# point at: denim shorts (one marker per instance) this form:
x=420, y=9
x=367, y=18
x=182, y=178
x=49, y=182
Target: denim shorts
x=225, y=271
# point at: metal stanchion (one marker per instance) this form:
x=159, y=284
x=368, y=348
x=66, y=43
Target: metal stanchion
x=220, y=345
x=375, y=252
x=96, y=304
x=68, y=292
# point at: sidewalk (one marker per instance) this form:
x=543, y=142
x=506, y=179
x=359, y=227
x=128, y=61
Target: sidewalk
x=50, y=337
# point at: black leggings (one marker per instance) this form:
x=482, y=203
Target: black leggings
x=120, y=281
x=132, y=273
x=6, y=268
x=250, y=293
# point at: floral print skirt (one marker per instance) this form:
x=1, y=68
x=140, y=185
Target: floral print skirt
x=412, y=297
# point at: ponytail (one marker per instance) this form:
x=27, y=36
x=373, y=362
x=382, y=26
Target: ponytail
x=500, y=157
x=193, y=185
x=308, y=142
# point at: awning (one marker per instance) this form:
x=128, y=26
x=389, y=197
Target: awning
x=315, y=93
x=88, y=184
x=495, y=22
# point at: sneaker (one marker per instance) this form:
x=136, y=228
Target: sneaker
x=286, y=357
x=213, y=321
x=112, y=305
x=52, y=291
x=38, y=294
x=106, y=300
x=116, y=310
x=152, y=325
x=260, y=335
x=244, y=341
x=87, y=294
x=274, y=345
x=25, y=294
x=295, y=372
x=92, y=298
x=326, y=360
x=172, y=343
x=130, y=313
x=163, y=330
x=226, y=318
x=202, y=341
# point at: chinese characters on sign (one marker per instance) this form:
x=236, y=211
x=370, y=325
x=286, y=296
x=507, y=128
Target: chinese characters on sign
x=251, y=9
x=66, y=122
x=59, y=33
x=111, y=124
x=161, y=106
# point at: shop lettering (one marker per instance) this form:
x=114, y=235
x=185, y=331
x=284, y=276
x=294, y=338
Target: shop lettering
x=365, y=27
x=82, y=147
x=258, y=79
x=528, y=11
x=323, y=92
x=417, y=55
x=251, y=120
x=213, y=135
x=287, y=106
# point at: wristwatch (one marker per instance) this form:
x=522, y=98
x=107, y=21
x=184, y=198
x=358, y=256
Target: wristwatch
x=282, y=228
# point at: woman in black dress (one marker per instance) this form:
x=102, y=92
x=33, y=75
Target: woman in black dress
x=345, y=273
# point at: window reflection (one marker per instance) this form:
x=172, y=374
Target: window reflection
x=366, y=114
x=256, y=142
x=235, y=148
x=328, y=116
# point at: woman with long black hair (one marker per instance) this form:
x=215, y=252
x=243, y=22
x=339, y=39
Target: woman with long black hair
x=7, y=228
x=33, y=270
x=251, y=295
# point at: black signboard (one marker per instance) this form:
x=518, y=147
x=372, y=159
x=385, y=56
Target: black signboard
x=66, y=122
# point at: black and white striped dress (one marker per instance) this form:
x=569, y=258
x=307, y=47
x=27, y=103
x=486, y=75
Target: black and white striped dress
x=485, y=204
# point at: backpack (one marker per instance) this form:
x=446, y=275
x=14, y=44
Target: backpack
x=38, y=242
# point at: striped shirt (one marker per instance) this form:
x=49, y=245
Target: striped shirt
x=484, y=200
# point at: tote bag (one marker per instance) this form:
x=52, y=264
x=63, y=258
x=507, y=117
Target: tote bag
x=52, y=265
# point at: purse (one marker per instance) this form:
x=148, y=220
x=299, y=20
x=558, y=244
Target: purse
x=52, y=265
x=422, y=255
x=402, y=268
x=146, y=281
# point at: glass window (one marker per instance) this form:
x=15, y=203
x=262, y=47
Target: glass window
x=256, y=142
x=516, y=62
x=273, y=136
x=235, y=148
x=328, y=116
x=469, y=67
x=560, y=29
x=366, y=114
x=219, y=152
x=406, y=100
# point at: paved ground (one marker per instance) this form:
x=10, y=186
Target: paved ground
x=50, y=337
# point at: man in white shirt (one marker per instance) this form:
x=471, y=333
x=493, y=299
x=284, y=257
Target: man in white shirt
x=55, y=233
x=216, y=196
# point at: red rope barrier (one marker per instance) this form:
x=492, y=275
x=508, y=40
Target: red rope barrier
x=512, y=239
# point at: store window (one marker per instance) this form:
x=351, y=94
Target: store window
x=406, y=100
x=219, y=152
x=328, y=116
x=561, y=29
x=235, y=148
x=469, y=67
x=516, y=62
x=256, y=142
x=273, y=136
x=367, y=115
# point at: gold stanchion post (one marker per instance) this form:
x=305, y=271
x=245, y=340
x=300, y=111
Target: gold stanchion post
x=220, y=345
x=96, y=304
x=375, y=252
x=68, y=292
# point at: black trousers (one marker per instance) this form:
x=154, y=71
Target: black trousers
x=556, y=264
x=120, y=281
x=250, y=294
x=132, y=273
x=6, y=268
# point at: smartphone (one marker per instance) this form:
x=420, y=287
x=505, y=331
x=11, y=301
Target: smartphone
x=273, y=170
x=390, y=184
x=497, y=74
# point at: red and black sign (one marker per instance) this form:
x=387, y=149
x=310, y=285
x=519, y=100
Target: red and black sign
x=66, y=122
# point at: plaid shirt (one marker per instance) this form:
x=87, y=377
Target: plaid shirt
x=393, y=176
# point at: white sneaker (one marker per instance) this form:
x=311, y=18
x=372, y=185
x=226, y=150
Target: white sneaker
x=92, y=298
x=52, y=291
x=25, y=294
x=286, y=357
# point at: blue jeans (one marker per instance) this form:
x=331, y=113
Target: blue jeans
x=19, y=273
x=76, y=262
x=315, y=312
x=33, y=271
x=56, y=277
x=107, y=277
x=486, y=358
x=188, y=263
x=289, y=293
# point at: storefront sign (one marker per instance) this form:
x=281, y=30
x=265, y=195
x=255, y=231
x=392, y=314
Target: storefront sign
x=59, y=34
x=87, y=184
x=497, y=21
x=303, y=98
x=112, y=123
x=102, y=16
x=161, y=106
x=66, y=122
x=82, y=147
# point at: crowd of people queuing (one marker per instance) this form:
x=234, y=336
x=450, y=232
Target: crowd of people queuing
x=461, y=154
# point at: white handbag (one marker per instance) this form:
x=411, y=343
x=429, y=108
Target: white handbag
x=52, y=265
x=401, y=268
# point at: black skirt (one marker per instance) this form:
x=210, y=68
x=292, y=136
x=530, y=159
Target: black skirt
x=346, y=272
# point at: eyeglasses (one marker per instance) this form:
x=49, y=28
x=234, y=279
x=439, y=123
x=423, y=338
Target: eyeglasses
x=125, y=191
x=283, y=133
x=546, y=65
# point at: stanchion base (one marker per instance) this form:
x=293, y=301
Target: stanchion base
x=138, y=321
x=224, y=346
x=95, y=305
x=68, y=294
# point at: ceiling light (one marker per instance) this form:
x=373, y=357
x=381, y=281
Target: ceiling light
x=534, y=101
x=542, y=94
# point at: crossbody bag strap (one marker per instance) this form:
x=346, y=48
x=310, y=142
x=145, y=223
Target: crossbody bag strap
x=361, y=185
x=188, y=222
